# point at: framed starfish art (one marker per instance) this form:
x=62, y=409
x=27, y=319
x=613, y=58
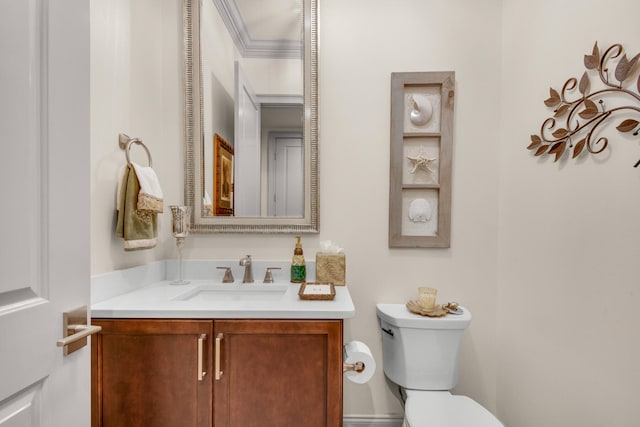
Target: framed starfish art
x=421, y=147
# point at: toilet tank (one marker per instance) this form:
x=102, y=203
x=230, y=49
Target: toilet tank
x=421, y=352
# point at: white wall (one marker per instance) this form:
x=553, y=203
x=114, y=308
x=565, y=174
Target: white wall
x=361, y=43
x=136, y=88
x=568, y=260
x=542, y=253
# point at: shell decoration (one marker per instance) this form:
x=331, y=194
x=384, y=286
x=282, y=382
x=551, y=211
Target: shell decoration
x=421, y=110
x=420, y=210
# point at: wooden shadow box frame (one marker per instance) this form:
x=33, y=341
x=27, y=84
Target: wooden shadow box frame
x=421, y=159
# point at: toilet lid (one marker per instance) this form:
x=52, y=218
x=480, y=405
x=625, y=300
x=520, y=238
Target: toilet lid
x=441, y=409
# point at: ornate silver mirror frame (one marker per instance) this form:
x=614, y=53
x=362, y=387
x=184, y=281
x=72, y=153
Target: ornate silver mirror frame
x=193, y=119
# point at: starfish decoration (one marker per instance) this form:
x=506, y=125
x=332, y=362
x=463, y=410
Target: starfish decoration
x=421, y=161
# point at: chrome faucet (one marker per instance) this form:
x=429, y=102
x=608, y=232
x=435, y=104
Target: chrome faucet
x=248, y=271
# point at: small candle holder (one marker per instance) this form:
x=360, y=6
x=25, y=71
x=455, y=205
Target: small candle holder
x=427, y=297
x=181, y=220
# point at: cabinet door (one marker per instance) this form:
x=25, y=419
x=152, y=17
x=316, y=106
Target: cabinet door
x=278, y=373
x=150, y=373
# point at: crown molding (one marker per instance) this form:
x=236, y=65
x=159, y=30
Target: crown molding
x=248, y=47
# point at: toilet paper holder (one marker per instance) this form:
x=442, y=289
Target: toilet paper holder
x=358, y=364
x=356, y=367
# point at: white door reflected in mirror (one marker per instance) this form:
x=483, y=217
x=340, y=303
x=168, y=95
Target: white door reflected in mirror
x=286, y=173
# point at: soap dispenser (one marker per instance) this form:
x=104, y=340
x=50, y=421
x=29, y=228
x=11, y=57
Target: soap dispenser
x=298, y=267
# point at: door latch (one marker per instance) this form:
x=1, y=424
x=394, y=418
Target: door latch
x=75, y=330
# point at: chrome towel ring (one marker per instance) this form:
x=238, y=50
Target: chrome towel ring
x=125, y=143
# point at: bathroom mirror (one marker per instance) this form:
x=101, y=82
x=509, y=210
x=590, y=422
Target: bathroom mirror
x=251, y=115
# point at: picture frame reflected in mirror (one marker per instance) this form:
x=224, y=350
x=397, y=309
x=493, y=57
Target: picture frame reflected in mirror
x=223, y=176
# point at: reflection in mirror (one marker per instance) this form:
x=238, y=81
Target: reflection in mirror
x=251, y=115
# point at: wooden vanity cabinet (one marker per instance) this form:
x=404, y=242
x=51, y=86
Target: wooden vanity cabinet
x=270, y=373
x=146, y=373
x=277, y=373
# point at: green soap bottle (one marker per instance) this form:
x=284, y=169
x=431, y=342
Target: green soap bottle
x=298, y=267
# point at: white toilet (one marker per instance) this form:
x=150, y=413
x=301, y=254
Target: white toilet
x=420, y=354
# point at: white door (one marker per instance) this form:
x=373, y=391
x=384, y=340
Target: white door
x=286, y=174
x=246, y=147
x=44, y=224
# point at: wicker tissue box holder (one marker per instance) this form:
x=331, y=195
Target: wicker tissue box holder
x=331, y=268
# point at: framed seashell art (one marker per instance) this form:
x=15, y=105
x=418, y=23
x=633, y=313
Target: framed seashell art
x=421, y=151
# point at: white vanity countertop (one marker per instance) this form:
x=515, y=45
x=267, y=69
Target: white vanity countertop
x=146, y=292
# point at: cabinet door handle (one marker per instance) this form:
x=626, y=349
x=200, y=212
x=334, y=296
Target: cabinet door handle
x=201, y=371
x=217, y=361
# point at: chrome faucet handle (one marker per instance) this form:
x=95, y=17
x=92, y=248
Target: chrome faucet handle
x=228, y=275
x=268, y=277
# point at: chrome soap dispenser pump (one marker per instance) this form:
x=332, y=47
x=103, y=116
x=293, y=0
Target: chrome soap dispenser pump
x=298, y=267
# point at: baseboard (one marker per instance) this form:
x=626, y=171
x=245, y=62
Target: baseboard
x=350, y=421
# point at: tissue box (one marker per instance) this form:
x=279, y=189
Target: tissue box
x=331, y=268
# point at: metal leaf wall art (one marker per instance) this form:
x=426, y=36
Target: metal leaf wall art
x=576, y=119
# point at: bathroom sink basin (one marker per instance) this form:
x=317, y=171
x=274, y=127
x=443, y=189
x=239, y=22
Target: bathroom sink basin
x=235, y=292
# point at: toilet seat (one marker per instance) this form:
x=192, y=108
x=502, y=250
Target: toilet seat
x=442, y=409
